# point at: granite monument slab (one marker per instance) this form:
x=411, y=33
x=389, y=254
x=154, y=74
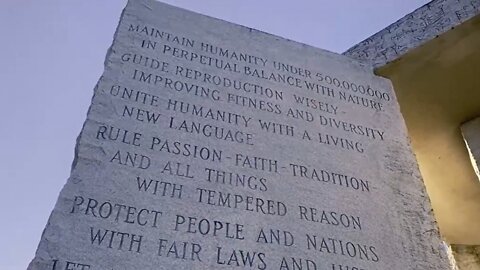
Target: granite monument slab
x=210, y=145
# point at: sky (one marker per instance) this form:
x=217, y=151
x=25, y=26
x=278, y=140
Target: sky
x=52, y=54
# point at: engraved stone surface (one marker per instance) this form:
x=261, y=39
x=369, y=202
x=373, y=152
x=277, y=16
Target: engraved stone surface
x=210, y=145
x=411, y=31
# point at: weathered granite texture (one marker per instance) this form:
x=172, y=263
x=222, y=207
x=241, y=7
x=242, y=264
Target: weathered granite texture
x=467, y=257
x=418, y=27
x=210, y=145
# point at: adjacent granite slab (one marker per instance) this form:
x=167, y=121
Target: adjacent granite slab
x=413, y=30
x=210, y=145
x=470, y=132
